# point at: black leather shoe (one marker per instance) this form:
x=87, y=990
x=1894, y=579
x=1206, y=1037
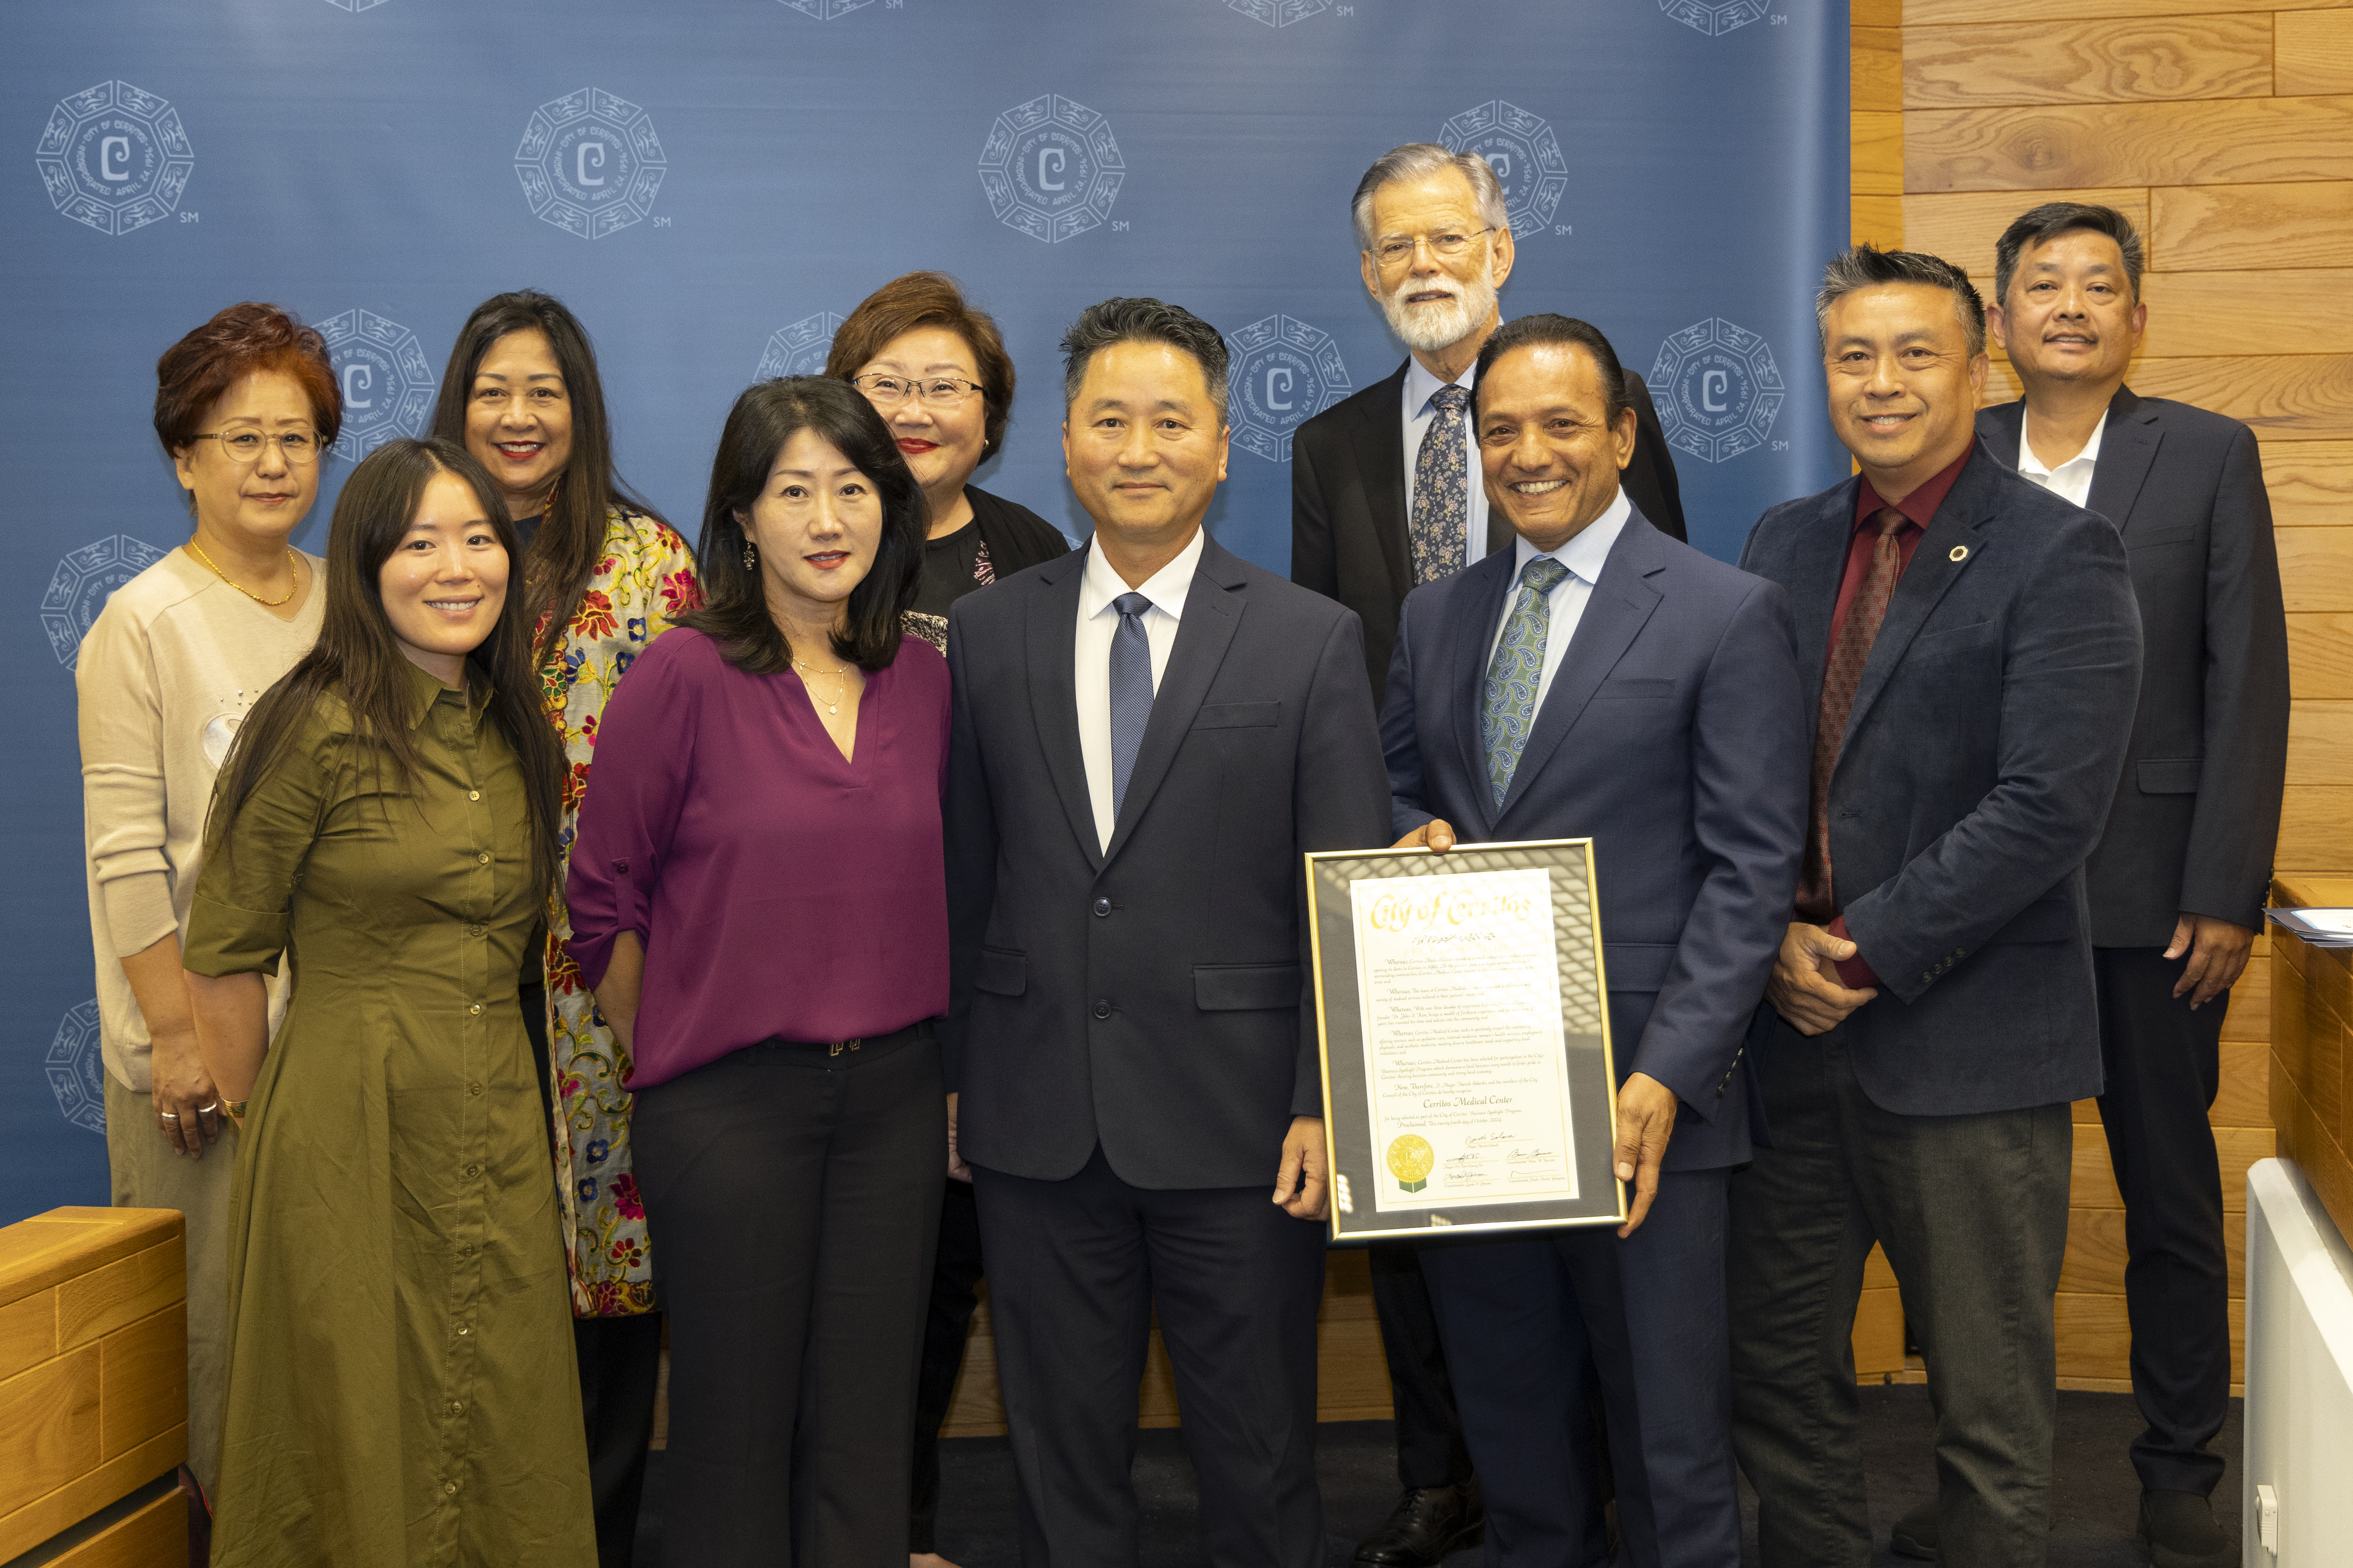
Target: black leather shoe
x=1427, y=1525
x=1916, y=1533
x=2181, y=1531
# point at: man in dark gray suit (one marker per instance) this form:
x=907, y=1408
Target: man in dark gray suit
x=1657, y=712
x=1972, y=652
x=1148, y=736
x=2178, y=881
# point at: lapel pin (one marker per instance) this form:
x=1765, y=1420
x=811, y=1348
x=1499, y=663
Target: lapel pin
x=1960, y=552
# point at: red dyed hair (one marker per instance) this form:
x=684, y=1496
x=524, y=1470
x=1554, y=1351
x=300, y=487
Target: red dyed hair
x=195, y=371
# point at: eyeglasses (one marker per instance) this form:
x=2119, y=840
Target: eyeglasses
x=246, y=446
x=1394, y=249
x=938, y=390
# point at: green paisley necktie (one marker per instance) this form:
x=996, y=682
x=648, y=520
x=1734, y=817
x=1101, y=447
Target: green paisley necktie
x=1509, y=709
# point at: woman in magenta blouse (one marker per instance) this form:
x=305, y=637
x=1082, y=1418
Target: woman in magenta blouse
x=759, y=901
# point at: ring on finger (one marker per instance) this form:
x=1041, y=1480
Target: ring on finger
x=170, y=1115
x=207, y=1109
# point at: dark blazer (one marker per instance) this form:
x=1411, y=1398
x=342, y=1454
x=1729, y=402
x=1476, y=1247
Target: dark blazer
x=1349, y=495
x=1017, y=537
x=1154, y=998
x=1980, y=759
x=2196, y=811
x=1674, y=736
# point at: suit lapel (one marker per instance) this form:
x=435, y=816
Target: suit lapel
x=1615, y=612
x=1476, y=610
x=1213, y=612
x=1954, y=530
x=2000, y=428
x=1380, y=444
x=2128, y=451
x=1054, y=634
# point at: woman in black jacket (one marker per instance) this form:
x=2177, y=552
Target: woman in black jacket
x=937, y=371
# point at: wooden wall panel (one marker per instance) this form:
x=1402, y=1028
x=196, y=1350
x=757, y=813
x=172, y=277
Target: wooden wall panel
x=2315, y=825
x=2243, y=227
x=1875, y=139
x=1949, y=13
x=2317, y=568
x=2217, y=141
x=2319, y=742
x=2320, y=658
x=2087, y=62
x=1962, y=227
x=2314, y=52
x=2288, y=311
x=2311, y=482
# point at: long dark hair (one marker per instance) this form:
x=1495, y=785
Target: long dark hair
x=735, y=609
x=571, y=538
x=357, y=653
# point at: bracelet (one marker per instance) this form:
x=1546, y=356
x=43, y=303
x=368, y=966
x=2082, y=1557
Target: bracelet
x=236, y=1108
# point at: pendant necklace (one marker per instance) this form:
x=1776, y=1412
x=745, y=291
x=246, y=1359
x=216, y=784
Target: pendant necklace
x=834, y=707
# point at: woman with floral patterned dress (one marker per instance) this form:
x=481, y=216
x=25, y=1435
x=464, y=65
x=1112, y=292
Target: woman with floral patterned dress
x=607, y=576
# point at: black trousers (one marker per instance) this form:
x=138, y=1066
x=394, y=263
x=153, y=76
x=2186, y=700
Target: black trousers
x=1972, y=1211
x=620, y=1372
x=957, y=1269
x=1075, y=1270
x=1430, y=1450
x=796, y=1195
x=2164, y=1065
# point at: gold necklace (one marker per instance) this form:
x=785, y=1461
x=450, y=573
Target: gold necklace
x=834, y=708
x=295, y=570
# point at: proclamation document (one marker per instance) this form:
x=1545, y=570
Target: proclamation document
x=1467, y=1074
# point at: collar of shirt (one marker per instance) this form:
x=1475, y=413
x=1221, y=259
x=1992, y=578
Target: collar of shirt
x=1920, y=505
x=1166, y=588
x=1420, y=387
x=425, y=689
x=2030, y=466
x=1584, y=553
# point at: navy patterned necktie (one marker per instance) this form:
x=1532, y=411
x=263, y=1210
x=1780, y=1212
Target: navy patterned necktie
x=1508, y=707
x=1441, y=529
x=1131, y=692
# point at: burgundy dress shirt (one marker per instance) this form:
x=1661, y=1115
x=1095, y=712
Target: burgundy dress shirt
x=1920, y=507
x=781, y=890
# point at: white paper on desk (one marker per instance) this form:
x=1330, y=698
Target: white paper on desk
x=2328, y=923
x=1466, y=1070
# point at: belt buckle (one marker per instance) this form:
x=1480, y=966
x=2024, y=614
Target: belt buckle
x=839, y=1046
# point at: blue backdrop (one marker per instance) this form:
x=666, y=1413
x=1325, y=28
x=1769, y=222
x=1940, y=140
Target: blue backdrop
x=712, y=183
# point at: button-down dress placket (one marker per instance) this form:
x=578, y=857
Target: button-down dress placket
x=478, y=875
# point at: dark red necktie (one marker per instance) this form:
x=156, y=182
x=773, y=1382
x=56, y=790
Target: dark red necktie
x=1841, y=677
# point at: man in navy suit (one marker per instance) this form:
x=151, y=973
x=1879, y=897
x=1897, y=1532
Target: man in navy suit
x=1972, y=652
x=1600, y=679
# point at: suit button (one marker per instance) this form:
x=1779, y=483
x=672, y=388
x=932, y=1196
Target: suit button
x=1928, y=974
x=1102, y=1009
x=1103, y=905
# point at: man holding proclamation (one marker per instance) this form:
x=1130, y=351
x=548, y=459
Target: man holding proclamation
x=1600, y=679
x=2177, y=882
x=1148, y=736
x=1386, y=494
x=1972, y=654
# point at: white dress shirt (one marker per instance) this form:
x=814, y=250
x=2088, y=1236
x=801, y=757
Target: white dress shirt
x=1090, y=660
x=2071, y=479
x=1584, y=555
x=1419, y=385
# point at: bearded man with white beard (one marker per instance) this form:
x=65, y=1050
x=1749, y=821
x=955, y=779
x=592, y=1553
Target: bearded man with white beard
x=1384, y=488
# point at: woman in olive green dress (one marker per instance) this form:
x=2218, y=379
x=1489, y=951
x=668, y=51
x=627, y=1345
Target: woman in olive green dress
x=401, y=1386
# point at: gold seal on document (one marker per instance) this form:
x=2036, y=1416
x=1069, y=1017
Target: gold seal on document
x=1410, y=1159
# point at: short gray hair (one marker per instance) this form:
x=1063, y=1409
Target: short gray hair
x=2040, y=225
x=1418, y=160
x=1867, y=266
x=1143, y=321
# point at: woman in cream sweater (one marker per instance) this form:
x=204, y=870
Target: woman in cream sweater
x=244, y=406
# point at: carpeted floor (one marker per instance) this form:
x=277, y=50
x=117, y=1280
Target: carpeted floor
x=2097, y=1493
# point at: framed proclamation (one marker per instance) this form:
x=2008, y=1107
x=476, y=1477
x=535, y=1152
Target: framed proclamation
x=1462, y=1012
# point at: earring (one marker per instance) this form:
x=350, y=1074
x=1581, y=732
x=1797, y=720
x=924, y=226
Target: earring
x=750, y=560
